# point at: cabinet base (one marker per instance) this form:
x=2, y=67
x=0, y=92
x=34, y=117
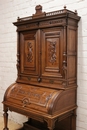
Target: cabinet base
x=35, y=125
x=65, y=124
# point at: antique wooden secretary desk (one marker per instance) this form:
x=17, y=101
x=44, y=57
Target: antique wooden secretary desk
x=46, y=85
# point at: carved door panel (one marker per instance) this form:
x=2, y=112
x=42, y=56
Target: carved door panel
x=29, y=49
x=52, y=53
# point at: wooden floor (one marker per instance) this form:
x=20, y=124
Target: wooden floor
x=11, y=124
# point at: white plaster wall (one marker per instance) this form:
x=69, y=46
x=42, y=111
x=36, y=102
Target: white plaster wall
x=9, y=11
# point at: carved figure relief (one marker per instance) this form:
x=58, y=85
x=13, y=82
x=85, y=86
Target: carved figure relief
x=29, y=54
x=52, y=52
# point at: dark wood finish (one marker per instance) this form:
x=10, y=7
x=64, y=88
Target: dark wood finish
x=46, y=85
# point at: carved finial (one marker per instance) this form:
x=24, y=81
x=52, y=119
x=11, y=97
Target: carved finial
x=65, y=7
x=38, y=12
x=38, y=9
x=18, y=19
x=76, y=12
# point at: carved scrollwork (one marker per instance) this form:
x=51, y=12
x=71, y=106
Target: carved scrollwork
x=52, y=52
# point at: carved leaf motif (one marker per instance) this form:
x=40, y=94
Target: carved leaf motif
x=30, y=52
x=52, y=52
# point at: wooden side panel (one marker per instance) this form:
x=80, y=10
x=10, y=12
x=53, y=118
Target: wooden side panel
x=65, y=101
x=72, y=67
x=71, y=52
x=72, y=42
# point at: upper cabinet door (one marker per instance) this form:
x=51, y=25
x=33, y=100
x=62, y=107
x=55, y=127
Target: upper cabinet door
x=52, y=53
x=29, y=49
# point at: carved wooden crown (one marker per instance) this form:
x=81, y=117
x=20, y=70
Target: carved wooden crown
x=39, y=12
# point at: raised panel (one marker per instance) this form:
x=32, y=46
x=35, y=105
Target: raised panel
x=52, y=52
x=29, y=52
x=71, y=66
x=52, y=44
x=72, y=36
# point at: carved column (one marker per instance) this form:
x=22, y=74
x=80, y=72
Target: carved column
x=65, y=56
x=18, y=56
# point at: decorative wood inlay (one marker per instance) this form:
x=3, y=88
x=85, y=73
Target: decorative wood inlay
x=52, y=52
x=29, y=54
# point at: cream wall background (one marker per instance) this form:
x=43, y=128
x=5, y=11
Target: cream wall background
x=9, y=11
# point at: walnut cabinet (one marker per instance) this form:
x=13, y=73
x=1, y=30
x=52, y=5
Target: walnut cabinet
x=46, y=85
